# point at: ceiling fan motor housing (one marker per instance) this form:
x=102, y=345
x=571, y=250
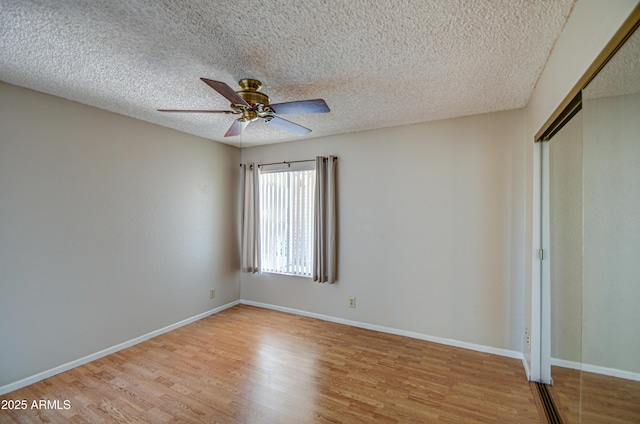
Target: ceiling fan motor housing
x=259, y=102
x=250, y=92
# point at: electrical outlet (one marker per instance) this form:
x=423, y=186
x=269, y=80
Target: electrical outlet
x=352, y=302
x=527, y=335
x=212, y=293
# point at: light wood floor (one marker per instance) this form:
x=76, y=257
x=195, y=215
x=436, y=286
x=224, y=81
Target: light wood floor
x=600, y=399
x=252, y=365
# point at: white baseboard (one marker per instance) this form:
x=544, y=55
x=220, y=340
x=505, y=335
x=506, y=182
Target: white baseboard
x=450, y=342
x=76, y=363
x=566, y=364
x=611, y=372
x=527, y=370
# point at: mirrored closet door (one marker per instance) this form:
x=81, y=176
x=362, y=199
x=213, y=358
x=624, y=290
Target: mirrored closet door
x=594, y=247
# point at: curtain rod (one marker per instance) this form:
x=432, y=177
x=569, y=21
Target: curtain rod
x=289, y=162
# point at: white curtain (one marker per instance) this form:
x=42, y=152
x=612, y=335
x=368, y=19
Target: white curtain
x=324, y=252
x=251, y=218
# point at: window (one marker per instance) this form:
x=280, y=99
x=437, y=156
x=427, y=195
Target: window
x=286, y=221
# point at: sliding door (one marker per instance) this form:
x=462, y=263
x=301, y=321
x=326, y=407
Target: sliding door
x=611, y=240
x=594, y=249
x=565, y=199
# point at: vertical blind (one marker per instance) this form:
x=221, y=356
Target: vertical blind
x=287, y=207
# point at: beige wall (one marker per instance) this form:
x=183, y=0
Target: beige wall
x=565, y=196
x=110, y=228
x=594, y=198
x=611, y=278
x=425, y=240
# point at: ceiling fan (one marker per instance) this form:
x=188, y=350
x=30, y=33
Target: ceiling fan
x=252, y=105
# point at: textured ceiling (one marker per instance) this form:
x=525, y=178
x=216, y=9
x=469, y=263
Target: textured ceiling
x=377, y=63
x=621, y=75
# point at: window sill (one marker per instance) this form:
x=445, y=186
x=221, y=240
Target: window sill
x=288, y=274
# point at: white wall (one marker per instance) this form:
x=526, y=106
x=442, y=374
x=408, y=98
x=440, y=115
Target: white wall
x=590, y=26
x=425, y=230
x=110, y=228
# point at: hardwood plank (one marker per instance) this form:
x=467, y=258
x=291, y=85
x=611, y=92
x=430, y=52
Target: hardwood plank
x=248, y=364
x=595, y=398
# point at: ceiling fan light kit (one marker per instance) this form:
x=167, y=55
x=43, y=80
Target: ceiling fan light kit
x=252, y=105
